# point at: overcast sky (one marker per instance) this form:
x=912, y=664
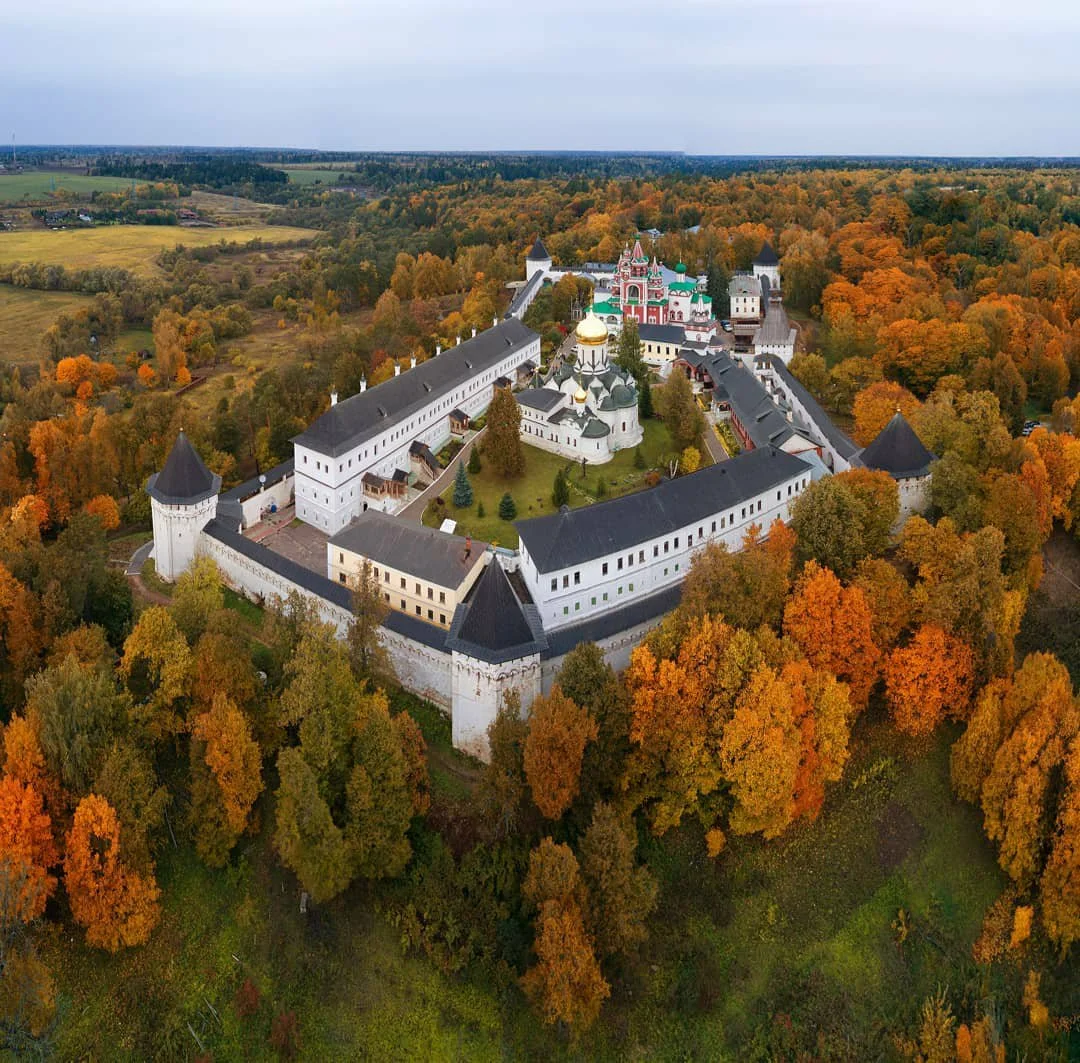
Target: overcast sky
x=936, y=77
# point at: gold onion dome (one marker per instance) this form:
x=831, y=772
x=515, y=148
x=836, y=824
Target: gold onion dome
x=591, y=330
x=579, y=395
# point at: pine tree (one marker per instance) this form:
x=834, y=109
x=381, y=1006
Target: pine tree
x=463, y=495
x=645, y=404
x=474, y=461
x=507, y=508
x=629, y=356
x=560, y=493
x=639, y=459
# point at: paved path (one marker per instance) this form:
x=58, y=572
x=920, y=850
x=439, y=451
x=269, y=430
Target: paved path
x=138, y=559
x=415, y=509
x=713, y=444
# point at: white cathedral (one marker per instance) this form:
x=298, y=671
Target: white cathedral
x=588, y=410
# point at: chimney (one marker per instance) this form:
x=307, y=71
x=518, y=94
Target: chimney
x=397, y=369
x=333, y=398
x=438, y=349
x=468, y=546
x=363, y=383
x=459, y=341
x=474, y=333
x=412, y=362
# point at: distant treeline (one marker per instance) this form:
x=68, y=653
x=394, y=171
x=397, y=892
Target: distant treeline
x=202, y=170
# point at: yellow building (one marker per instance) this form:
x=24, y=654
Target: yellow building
x=420, y=571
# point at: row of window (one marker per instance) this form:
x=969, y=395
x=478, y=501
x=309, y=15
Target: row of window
x=419, y=590
x=603, y=596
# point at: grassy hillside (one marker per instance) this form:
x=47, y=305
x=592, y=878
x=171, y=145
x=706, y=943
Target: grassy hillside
x=131, y=247
x=26, y=314
x=801, y=928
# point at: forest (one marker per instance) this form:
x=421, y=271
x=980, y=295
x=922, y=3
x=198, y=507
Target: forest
x=830, y=811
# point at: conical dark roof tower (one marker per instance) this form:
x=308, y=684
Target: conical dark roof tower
x=898, y=451
x=492, y=625
x=766, y=256
x=184, y=480
x=539, y=252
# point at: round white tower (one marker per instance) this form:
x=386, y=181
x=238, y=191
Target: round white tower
x=183, y=500
x=537, y=260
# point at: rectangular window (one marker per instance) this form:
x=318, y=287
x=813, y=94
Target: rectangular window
x=631, y=587
x=604, y=570
x=442, y=618
x=566, y=610
x=403, y=605
x=430, y=593
x=555, y=584
x=620, y=564
x=676, y=542
x=387, y=596
x=442, y=597
x=593, y=602
x=605, y=596
x=418, y=610
x=700, y=532
x=577, y=578
x=566, y=581
x=656, y=551
x=577, y=607
x=340, y=557
x=666, y=544
x=386, y=577
x=641, y=557
x=714, y=527
x=417, y=586
x=630, y=558
x=665, y=571
x=341, y=578
x=620, y=590
x=744, y=512
x=402, y=582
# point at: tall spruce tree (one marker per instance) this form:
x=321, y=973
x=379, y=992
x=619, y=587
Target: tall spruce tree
x=463, y=495
x=502, y=443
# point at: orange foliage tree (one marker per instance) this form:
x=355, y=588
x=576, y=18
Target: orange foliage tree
x=1059, y=887
x=118, y=907
x=27, y=852
x=876, y=405
x=833, y=627
x=554, y=746
x=929, y=678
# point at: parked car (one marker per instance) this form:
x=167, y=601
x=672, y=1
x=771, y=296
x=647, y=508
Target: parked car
x=725, y=325
x=1029, y=427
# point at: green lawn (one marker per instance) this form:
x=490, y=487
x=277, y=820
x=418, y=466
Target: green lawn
x=307, y=176
x=40, y=186
x=532, y=491
x=25, y=314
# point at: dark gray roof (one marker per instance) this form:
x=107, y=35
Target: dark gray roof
x=595, y=429
x=898, y=451
x=335, y=593
x=766, y=256
x=573, y=536
x=425, y=553
x=184, y=480
x=775, y=329
x=493, y=625
x=252, y=486
x=564, y=639
x=525, y=294
x=760, y=417
x=538, y=253
x=744, y=284
x=543, y=399
x=839, y=440
x=370, y=412
x=662, y=333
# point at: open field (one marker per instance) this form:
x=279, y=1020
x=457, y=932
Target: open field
x=309, y=175
x=26, y=314
x=229, y=210
x=532, y=491
x=132, y=247
x=38, y=186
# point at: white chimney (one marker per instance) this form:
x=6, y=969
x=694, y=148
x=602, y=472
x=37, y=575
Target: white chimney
x=397, y=369
x=438, y=349
x=474, y=334
x=459, y=341
x=412, y=362
x=363, y=383
x=333, y=398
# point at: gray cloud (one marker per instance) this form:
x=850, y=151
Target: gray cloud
x=708, y=76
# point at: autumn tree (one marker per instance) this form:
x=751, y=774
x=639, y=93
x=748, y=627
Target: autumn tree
x=502, y=439
x=1059, y=887
x=198, y=595
x=503, y=788
x=128, y=780
x=118, y=907
x=888, y=596
x=840, y=520
x=368, y=654
x=680, y=411
x=621, y=894
x=555, y=744
x=747, y=588
x=27, y=853
x=876, y=405
x=226, y=779
x=929, y=678
x=157, y=666
x=833, y=627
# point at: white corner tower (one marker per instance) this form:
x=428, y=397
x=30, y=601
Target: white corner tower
x=767, y=265
x=537, y=260
x=183, y=500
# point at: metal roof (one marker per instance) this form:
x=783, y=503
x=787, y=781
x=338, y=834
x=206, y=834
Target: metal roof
x=898, y=451
x=368, y=413
x=574, y=536
x=184, y=480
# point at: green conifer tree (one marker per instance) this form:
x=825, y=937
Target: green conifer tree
x=507, y=508
x=560, y=494
x=463, y=495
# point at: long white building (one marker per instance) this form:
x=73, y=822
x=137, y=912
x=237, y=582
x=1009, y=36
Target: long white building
x=359, y=453
x=582, y=562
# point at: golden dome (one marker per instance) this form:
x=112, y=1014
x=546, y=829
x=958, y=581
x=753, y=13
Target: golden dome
x=591, y=330
x=579, y=395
